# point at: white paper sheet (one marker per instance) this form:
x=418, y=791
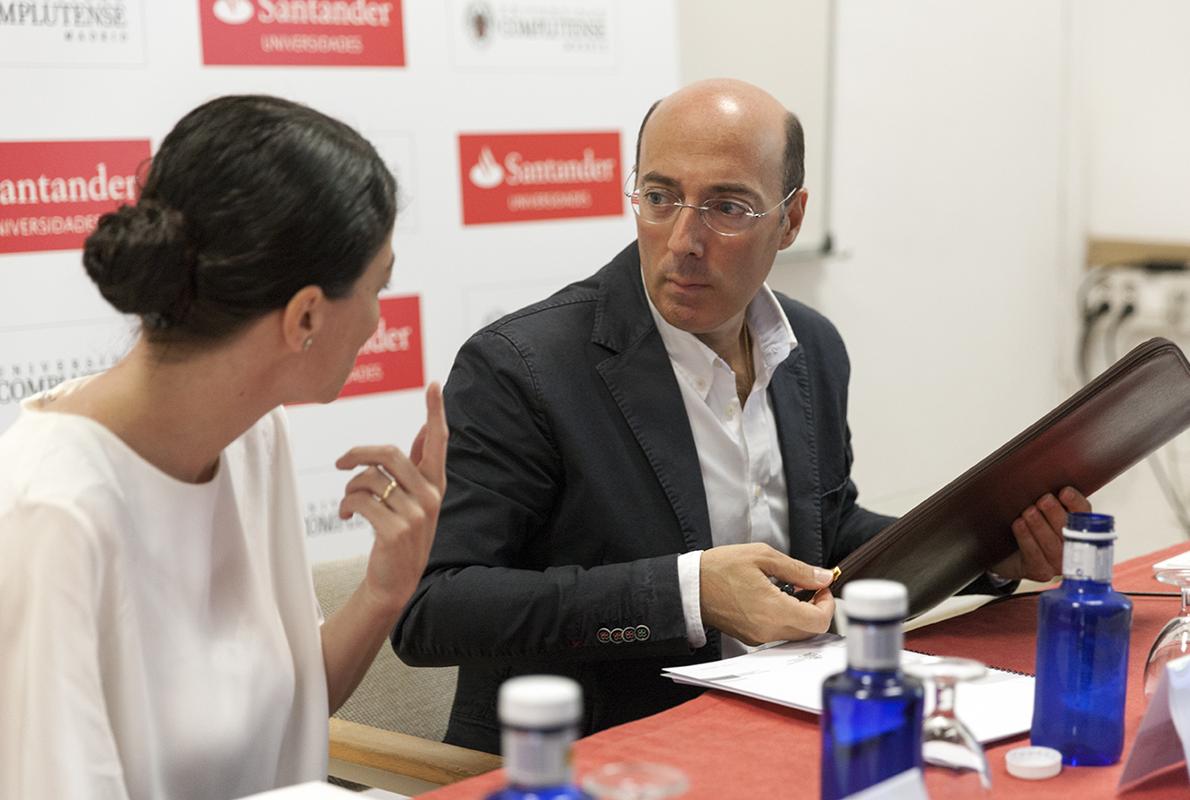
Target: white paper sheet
x=791, y=674
x=314, y=790
x=1180, y=561
x=908, y=785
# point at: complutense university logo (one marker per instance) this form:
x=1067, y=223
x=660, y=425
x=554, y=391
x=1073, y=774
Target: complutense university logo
x=70, y=33
x=303, y=32
x=479, y=22
x=544, y=34
x=513, y=177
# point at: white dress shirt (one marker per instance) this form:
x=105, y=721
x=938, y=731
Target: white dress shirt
x=739, y=454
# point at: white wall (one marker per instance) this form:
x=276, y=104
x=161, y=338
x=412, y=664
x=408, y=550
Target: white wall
x=976, y=145
x=1130, y=127
x=1134, y=68
x=948, y=164
x=786, y=48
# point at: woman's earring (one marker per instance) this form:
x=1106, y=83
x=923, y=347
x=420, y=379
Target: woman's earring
x=309, y=341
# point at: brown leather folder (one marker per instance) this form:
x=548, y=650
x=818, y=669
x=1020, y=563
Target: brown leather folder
x=1140, y=403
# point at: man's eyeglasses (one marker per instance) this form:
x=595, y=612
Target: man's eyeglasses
x=726, y=216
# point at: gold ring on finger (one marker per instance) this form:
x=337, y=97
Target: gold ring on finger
x=392, y=484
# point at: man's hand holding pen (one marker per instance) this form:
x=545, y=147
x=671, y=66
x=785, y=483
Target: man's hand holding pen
x=739, y=598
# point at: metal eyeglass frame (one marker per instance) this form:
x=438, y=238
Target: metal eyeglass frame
x=633, y=196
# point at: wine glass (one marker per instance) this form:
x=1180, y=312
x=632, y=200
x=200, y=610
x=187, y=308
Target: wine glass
x=636, y=780
x=1174, y=639
x=946, y=741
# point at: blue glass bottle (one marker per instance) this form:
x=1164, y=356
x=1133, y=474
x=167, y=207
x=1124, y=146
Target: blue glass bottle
x=871, y=712
x=1082, y=650
x=539, y=716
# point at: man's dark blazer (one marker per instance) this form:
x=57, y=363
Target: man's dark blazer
x=573, y=484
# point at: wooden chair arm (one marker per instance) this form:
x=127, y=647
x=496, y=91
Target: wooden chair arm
x=425, y=761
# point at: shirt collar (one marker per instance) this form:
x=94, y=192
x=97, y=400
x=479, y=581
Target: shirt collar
x=771, y=332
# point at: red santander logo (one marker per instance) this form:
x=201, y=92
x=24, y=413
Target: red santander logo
x=512, y=177
x=326, y=33
x=53, y=193
x=391, y=359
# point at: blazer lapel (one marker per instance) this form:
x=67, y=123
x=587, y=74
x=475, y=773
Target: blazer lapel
x=643, y=385
x=641, y=379
x=790, y=394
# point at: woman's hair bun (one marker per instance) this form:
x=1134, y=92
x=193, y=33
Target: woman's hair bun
x=246, y=201
x=141, y=260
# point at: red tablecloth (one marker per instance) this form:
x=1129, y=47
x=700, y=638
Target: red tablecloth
x=733, y=747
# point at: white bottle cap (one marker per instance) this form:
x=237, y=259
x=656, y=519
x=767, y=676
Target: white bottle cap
x=875, y=600
x=1033, y=763
x=540, y=701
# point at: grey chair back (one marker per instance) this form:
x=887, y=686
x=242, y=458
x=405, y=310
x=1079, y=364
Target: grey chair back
x=393, y=695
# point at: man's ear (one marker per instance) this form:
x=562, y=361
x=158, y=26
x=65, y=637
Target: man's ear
x=302, y=318
x=795, y=212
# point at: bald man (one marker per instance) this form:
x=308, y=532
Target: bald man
x=635, y=461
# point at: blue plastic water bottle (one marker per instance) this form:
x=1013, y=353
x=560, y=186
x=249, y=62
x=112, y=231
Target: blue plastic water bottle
x=539, y=717
x=1082, y=650
x=871, y=712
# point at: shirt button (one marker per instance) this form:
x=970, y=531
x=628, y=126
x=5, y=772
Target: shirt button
x=701, y=384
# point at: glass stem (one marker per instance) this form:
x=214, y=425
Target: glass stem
x=944, y=703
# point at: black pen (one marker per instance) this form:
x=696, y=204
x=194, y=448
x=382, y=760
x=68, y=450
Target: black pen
x=806, y=594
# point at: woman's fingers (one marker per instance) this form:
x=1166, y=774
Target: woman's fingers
x=431, y=456
x=396, y=464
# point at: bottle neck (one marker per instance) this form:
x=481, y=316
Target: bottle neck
x=1087, y=561
x=874, y=646
x=536, y=757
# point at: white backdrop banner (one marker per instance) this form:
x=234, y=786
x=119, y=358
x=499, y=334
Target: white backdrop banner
x=510, y=127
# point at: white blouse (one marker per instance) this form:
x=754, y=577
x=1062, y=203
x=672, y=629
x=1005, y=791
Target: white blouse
x=158, y=639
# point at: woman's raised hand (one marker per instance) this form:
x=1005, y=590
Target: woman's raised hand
x=400, y=495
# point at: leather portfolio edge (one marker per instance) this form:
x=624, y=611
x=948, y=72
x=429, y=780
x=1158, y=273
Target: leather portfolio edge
x=899, y=535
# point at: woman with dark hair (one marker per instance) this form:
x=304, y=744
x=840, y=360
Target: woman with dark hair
x=160, y=632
